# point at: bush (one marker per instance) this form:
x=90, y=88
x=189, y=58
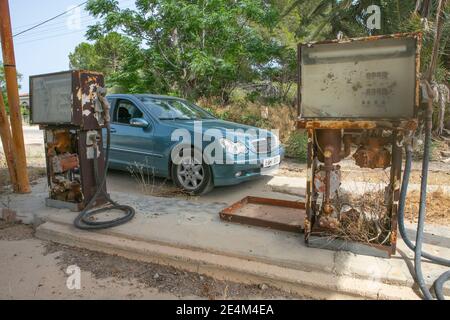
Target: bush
x=281, y=117
x=297, y=146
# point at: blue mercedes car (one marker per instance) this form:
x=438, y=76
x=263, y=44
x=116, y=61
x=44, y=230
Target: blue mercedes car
x=178, y=140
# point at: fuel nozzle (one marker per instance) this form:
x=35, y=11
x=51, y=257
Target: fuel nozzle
x=103, y=103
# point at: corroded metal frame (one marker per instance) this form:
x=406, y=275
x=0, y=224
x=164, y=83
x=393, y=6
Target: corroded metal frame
x=311, y=227
x=230, y=214
x=398, y=127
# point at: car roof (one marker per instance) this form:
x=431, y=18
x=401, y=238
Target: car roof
x=153, y=96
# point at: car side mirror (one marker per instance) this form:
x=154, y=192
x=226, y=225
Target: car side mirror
x=139, y=123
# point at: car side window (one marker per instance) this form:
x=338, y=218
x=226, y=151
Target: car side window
x=125, y=111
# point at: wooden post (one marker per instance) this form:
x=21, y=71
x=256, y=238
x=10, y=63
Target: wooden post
x=9, y=64
x=5, y=135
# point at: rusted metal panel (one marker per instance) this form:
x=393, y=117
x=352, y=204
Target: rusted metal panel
x=74, y=140
x=409, y=125
x=84, y=96
x=267, y=213
x=381, y=104
x=88, y=176
x=65, y=163
x=70, y=169
x=66, y=98
x=373, y=154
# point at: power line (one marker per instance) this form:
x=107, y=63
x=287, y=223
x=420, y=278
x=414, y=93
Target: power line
x=21, y=28
x=51, y=19
x=52, y=29
x=55, y=23
x=50, y=37
x=26, y=40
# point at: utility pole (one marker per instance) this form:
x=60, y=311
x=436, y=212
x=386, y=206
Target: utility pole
x=5, y=135
x=9, y=63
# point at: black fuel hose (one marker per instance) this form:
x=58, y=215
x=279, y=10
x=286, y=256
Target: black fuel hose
x=85, y=220
x=417, y=248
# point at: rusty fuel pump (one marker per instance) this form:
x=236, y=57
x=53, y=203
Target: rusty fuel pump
x=72, y=110
x=358, y=98
x=364, y=96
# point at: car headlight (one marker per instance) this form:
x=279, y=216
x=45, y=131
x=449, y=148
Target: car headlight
x=234, y=148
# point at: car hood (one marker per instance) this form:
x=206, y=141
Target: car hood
x=231, y=130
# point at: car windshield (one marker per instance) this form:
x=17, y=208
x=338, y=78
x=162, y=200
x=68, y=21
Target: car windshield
x=172, y=109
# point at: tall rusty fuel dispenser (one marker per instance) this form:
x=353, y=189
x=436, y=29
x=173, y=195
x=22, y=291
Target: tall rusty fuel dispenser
x=64, y=105
x=72, y=110
x=358, y=98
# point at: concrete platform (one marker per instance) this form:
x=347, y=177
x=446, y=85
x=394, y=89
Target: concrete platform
x=191, y=236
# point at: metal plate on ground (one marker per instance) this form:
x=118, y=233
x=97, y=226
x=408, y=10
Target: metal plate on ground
x=267, y=213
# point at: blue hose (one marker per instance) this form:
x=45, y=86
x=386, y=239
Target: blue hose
x=418, y=254
x=401, y=212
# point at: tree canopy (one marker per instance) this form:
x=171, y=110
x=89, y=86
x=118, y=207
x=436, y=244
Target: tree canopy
x=207, y=48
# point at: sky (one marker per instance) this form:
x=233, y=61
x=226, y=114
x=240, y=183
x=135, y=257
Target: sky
x=46, y=49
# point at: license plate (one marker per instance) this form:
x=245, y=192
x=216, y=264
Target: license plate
x=271, y=161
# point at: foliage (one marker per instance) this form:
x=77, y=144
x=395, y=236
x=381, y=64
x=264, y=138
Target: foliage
x=281, y=117
x=196, y=48
x=327, y=18
x=239, y=55
x=204, y=49
x=297, y=146
x=3, y=85
x=115, y=55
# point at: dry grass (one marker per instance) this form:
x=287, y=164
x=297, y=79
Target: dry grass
x=365, y=219
x=144, y=174
x=438, y=207
x=35, y=162
x=280, y=117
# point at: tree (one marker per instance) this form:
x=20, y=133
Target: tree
x=3, y=84
x=84, y=57
x=328, y=17
x=115, y=55
x=195, y=48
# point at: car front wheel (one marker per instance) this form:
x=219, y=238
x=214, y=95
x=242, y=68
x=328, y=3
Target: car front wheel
x=192, y=174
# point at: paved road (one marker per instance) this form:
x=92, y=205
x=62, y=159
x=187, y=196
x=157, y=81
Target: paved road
x=32, y=137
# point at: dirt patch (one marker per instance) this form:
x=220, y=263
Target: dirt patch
x=34, y=174
x=165, y=279
x=15, y=231
x=438, y=207
x=35, y=161
x=291, y=168
x=439, y=173
x=434, y=178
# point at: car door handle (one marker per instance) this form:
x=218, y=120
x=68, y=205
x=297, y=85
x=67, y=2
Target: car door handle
x=113, y=130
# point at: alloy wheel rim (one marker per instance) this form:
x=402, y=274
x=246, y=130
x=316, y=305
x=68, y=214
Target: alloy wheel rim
x=190, y=174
